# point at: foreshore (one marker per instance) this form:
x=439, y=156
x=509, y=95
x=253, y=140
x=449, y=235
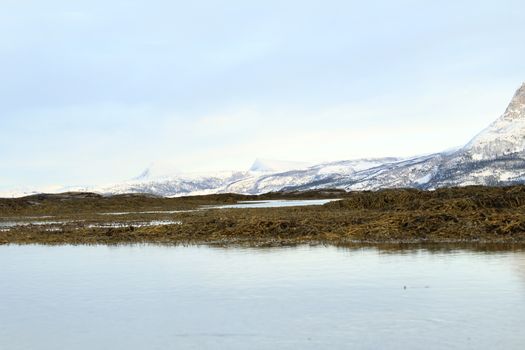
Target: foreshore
x=455, y=215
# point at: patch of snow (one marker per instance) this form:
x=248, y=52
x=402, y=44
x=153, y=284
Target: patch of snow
x=423, y=180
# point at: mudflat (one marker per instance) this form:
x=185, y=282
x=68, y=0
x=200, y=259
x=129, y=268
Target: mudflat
x=453, y=215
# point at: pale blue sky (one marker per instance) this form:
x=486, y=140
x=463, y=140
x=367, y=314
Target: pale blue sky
x=94, y=91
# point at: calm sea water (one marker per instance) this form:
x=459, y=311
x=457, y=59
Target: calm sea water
x=164, y=297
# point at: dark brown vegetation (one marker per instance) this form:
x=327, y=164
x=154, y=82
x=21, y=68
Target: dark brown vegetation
x=470, y=214
x=79, y=202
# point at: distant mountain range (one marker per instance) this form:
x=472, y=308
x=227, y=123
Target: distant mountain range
x=495, y=157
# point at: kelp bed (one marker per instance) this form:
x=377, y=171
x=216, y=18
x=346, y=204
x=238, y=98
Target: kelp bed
x=469, y=214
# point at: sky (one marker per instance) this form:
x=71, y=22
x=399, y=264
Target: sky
x=93, y=92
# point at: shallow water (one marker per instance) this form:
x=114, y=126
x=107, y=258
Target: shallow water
x=278, y=203
x=8, y=225
x=58, y=225
x=134, y=224
x=166, y=297
x=122, y=213
x=11, y=224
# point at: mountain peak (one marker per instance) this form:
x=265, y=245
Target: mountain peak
x=504, y=136
x=144, y=175
x=270, y=165
x=157, y=170
x=516, y=108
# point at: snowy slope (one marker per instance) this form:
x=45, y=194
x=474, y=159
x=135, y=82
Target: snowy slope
x=503, y=137
x=318, y=176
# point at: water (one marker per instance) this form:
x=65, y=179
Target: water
x=165, y=297
x=135, y=224
x=11, y=224
x=58, y=225
x=122, y=213
x=278, y=203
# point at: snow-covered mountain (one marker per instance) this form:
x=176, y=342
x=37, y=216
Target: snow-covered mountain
x=496, y=156
x=263, y=176
x=177, y=185
x=321, y=175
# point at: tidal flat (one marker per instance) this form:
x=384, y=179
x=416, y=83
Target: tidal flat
x=474, y=214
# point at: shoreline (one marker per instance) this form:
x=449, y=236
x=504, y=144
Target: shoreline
x=385, y=246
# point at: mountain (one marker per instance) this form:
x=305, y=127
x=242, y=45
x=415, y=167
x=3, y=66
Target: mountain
x=318, y=176
x=495, y=157
x=177, y=185
x=260, y=178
